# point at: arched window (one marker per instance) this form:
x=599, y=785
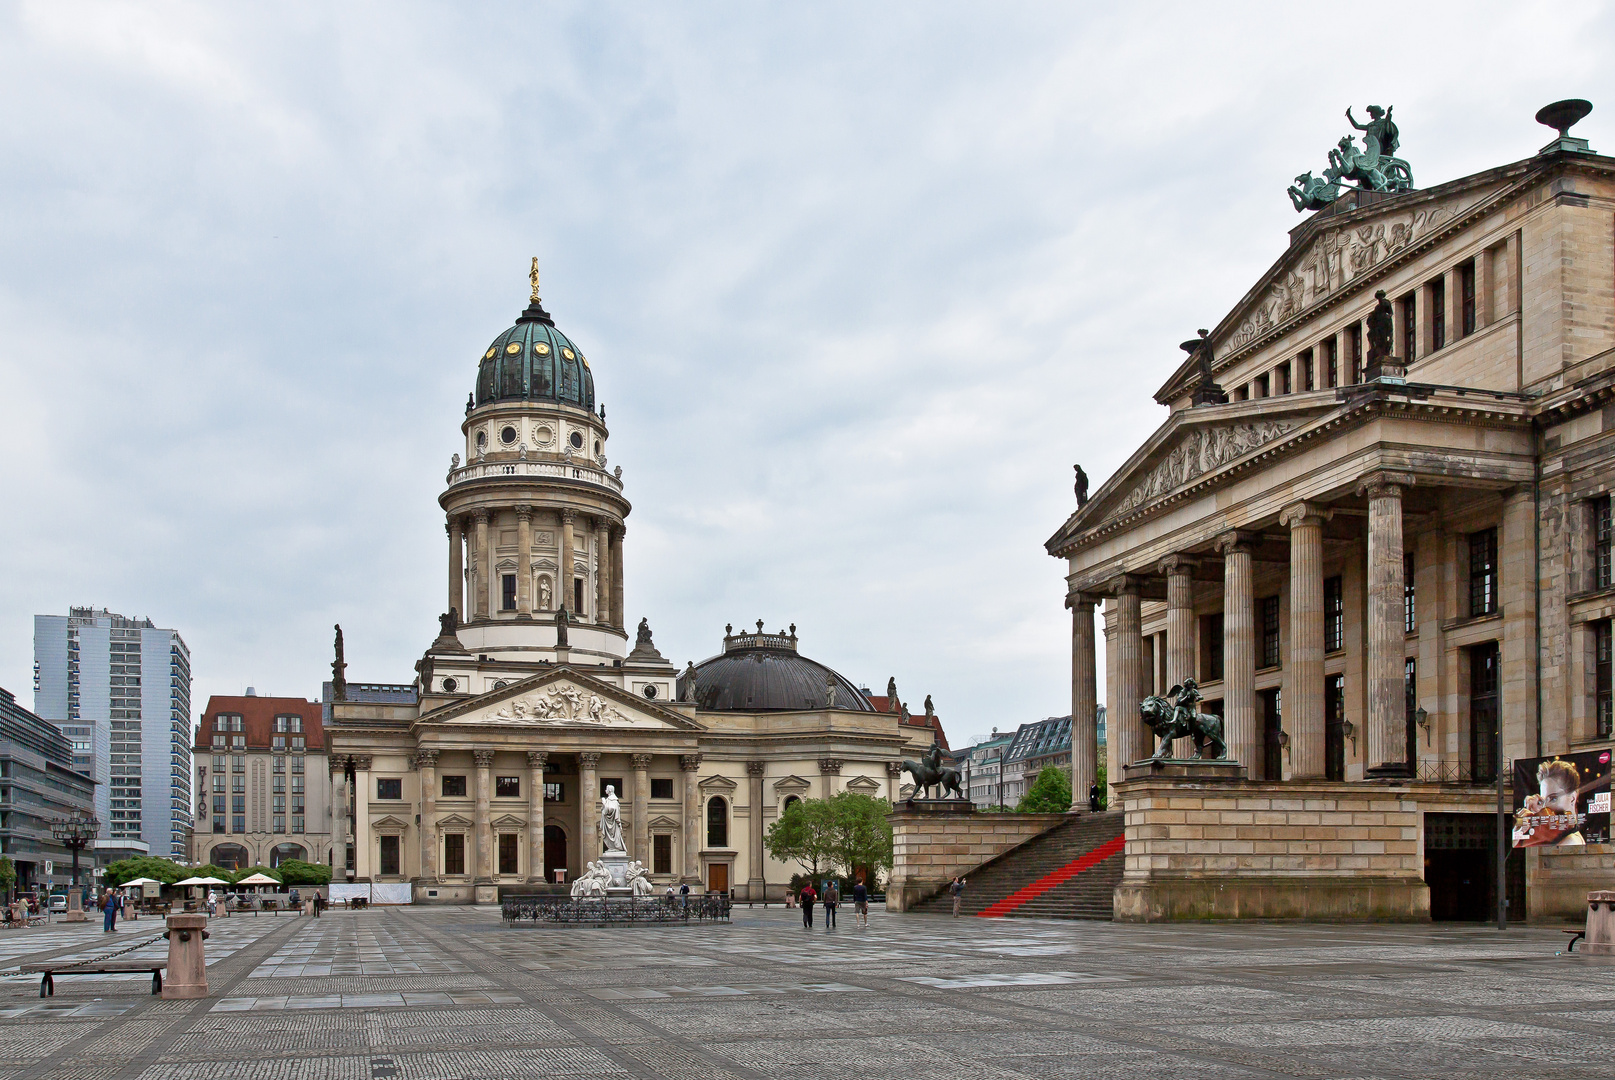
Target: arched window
x=229, y=857
x=717, y=822
x=554, y=850
x=282, y=852
x=790, y=801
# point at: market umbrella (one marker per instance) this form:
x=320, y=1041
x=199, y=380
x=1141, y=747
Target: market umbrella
x=201, y=881
x=258, y=879
x=140, y=881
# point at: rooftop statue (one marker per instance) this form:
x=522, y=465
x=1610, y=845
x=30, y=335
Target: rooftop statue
x=1374, y=167
x=1081, y=487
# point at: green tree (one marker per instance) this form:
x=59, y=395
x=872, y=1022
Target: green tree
x=803, y=835
x=166, y=871
x=860, y=835
x=8, y=874
x=298, y=872
x=1050, y=793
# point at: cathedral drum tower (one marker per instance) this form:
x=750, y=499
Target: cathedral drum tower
x=535, y=520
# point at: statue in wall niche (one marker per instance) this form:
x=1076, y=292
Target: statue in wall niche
x=544, y=595
x=1177, y=716
x=610, y=821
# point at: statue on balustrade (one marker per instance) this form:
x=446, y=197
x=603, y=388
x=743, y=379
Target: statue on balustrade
x=1177, y=716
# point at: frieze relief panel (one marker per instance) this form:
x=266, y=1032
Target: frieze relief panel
x=558, y=704
x=1335, y=259
x=1201, y=450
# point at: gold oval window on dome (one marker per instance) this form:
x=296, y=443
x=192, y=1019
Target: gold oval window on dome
x=513, y=348
x=489, y=354
x=567, y=353
x=542, y=348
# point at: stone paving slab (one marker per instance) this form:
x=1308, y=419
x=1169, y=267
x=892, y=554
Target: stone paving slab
x=453, y=994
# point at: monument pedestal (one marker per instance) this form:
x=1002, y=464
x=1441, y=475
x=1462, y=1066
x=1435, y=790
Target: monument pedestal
x=1199, y=769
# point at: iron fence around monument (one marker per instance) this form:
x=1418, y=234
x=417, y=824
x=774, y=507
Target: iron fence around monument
x=605, y=911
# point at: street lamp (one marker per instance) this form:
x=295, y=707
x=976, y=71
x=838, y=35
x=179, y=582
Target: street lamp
x=75, y=834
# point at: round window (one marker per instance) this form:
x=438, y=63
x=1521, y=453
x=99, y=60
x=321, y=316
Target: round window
x=482, y=439
x=577, y=440
x=541, y=348
x=542, y=435
x=450, y=685
x=500, y=685
x=513, y=348
x=507, y=435
x=650, y=691
x=597, y=446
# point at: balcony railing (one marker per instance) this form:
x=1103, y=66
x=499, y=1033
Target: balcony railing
x=552, y=470
x=1453, y=772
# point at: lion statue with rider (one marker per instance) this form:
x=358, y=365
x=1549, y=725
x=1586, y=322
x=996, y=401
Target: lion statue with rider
x=1177, y=716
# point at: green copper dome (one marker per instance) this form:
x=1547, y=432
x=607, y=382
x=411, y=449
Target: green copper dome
x=533, y=361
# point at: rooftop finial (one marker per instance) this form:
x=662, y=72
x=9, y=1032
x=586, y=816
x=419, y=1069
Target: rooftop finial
x=532, y=275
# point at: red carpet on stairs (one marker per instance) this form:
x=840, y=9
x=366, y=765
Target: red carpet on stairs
x=1059, y=877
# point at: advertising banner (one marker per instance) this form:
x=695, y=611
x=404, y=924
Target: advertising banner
x=1562, y=800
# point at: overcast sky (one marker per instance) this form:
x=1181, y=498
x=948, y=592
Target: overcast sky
x=858, y=284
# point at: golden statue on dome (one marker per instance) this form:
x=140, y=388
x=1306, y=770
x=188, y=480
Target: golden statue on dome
x=532, y=275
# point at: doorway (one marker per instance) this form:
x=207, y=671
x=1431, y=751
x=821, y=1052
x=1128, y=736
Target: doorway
x=718, y=877
x=1272, y=703
x=1334, y=727
x=1483, y=712
x=1460, y=867
x=554, y=851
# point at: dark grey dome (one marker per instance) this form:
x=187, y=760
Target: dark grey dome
x=764, y=672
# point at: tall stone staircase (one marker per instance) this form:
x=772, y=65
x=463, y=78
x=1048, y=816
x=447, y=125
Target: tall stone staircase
x=1068, y=872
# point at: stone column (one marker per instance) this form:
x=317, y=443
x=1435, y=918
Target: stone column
x=618, y=533
x=602, y=571
x=456, y=533
x=524, y=562
x=1125, y=725
x=1179, y=571
x=1517, y=681
x=563, y=573
x=1084, y=701
x=484, y=568
x=641, y=764
x=361, y=816
x=756, y=884
x=588, y=809
x=691, y=764
x=829, y=769
x=1239, y=649
x=341, y=836
x=1387, y=702
x=1303, y=673
x=426, y=763
x=483, y=870
x=536, y=760
x=894, y=780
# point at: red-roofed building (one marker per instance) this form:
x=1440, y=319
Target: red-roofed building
x=262, y=783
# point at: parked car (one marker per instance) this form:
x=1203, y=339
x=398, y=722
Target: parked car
x=58, y=902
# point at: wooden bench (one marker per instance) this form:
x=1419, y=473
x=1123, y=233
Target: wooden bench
x=47, y=984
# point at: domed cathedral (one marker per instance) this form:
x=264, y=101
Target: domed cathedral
x=484, y=774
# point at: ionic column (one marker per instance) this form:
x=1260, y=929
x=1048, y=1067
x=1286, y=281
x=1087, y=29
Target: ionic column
x=1084, y=701
x=1303, y=672
x=361, y=816
x=588, y=810
x=456, y=533
x=691, y=764
x=484, y=569
x=641, y=764
x=536, y=760
x=1239, y=650
x=617, y=533
x=524, y=562
x=563, y=573
x=1126, y=725
x=1179, y=571
x=483, y=870
x=755, y=883
x=426, y=763
x=1387, y=701
x=602, y=571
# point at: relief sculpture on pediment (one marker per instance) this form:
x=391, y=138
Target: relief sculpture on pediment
x=1201, y=450
x=560, y=705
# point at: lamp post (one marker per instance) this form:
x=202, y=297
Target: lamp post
x=75, y=833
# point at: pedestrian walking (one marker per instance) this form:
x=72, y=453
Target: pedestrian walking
x=109, y=912
x=832, y=897
x=807, y=897
x=957, y=889
x=860, y=904
x=1093, y=797
x=684, y=894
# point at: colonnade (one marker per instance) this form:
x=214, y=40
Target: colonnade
x=469, y=545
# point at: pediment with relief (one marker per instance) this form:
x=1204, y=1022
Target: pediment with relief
x=560, y=699
x=1201, y=450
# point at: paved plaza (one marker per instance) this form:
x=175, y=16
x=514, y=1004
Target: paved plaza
x=424, y=994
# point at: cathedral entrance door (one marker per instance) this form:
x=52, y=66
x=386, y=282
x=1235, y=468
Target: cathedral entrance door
x=554, y=851
x=718, y=877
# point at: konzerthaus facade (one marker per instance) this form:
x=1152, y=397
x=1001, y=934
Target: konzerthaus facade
x=486, y=771
x=1370, y=572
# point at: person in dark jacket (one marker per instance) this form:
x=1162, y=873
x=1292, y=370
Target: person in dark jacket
x=808, y=895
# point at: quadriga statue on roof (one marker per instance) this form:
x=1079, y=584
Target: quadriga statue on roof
x=1373, y=168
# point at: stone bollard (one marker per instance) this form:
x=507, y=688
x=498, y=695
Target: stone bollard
x=1600, y=923
x=187, y=965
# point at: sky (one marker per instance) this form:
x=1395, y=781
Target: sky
x=858, y=282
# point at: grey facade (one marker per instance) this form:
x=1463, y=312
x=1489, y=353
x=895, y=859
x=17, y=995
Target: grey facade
x=120, y=690
x=37, y=784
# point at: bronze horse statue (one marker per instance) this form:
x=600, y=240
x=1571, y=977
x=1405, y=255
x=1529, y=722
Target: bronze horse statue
x=929, y=771
x=1179, y=719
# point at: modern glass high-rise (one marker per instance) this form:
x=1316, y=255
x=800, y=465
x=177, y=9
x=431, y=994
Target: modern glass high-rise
x=120, y=690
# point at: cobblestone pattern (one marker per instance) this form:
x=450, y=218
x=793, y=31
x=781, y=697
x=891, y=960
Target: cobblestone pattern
x=766, y=998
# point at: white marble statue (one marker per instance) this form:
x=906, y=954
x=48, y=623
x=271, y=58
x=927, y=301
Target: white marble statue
x=592, y=882
x=611, y=821
x=639, y=879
